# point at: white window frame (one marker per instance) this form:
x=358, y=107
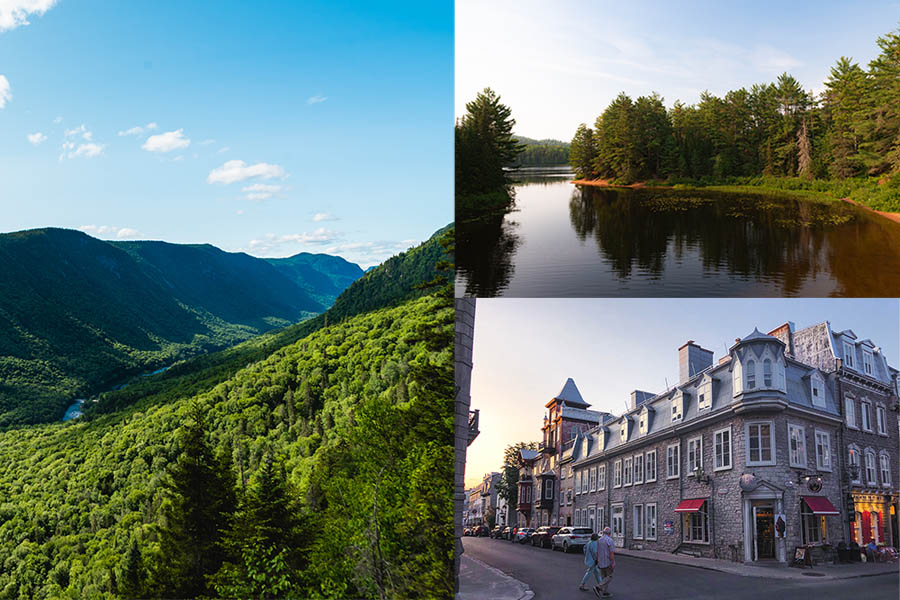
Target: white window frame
x=874, y=467
x=578, y=483
x=623, y=430
x=850, y=412
x=601, y=477
x=865, y=411
x=884, y=462
x=817, y=390
x=694, y=450
x=800, y=460
x=687, y=533
x=750, y=375
x=849, y=355
x=637, y=522
x=676, y=413
x=716, y=434
x=644, y=420
x=761, y=461
x=821, y=463
x=857, y=459
x=704, y=394
x=638, y=477
x=868, y=363
x=592, y=518
x=627, y=472
x=676, y=463
x=881, y=420
x=617, y=474
x=767, y=363
x=650, y=524
x=601, y=517
x=593, y=479
x=647, y=463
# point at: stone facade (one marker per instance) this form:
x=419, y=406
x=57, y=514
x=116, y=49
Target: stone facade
x=464, y=334
x=768, y=429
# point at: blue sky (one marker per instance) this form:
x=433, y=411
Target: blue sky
x=525, y=349
x=271, y=128
x=558, y=64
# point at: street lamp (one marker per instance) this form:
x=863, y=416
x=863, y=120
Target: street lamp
x=700, y=475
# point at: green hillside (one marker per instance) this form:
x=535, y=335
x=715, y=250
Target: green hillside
x=542, y=153
x=78, y=315
x=359, y=409
x=398, y=279
x=323, y=276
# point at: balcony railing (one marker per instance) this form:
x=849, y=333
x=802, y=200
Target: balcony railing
x=473, y=426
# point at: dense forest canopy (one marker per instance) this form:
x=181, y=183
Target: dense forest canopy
x=542, y=153
x=852, y=130
x=79, y=315
x=321, y=469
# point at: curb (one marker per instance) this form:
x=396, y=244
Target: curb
x=527, y=594
x=826, y=577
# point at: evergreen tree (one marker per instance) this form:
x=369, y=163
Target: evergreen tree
x=581, y=151
x=199, y=511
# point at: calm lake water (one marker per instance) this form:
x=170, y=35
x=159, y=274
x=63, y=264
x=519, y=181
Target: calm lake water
x=561, y=240
x=74, y=410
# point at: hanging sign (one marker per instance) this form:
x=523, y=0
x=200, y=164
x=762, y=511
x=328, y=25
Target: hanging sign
x=668, y=527
x=780, y=525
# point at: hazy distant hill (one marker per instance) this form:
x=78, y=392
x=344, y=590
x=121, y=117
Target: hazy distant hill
x=322, y=276
x=542, y=153
x=77, y=314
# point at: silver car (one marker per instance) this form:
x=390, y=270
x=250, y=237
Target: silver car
x=524, y=534
x=571, y=537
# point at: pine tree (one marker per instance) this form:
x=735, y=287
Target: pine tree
x=199, y=512
x=803, y=153
x=581, y=151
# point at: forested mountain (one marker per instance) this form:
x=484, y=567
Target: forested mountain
x=77, y=314
x=542, y=153
x=322, y=470
x=850, y=131
x=323, y=276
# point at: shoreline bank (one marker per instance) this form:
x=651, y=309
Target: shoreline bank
x=893, y=216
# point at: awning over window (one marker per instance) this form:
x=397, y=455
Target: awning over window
x=690, y=505
x=820, y=505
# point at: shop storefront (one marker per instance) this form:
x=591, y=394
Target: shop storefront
x=873, y=518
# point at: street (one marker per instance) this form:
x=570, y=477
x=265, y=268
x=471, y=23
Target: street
x=553, y=575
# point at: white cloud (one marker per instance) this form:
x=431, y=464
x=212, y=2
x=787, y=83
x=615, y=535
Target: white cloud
x=772, y=60
x=237, y=170
x=316, y=99
x=37, y=138
x=138, y=130
x=121, y=233
x=240, y=211
x=14, y=13
x=324, y=217
x=80, y=130
x=57, y=120
x=72, y=150
x=261, y=191
x=5, y=94
x=223, y=149
x=166, y=142
x=272, y=244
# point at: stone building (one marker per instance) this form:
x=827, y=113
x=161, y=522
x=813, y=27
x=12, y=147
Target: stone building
x=526, y=500
x=567, y=416
x=739, y=460
x=867, y=395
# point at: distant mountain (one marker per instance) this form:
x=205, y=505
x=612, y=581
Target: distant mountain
x=78, y=314
x=322, y=276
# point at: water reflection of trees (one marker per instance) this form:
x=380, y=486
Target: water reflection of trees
x=780, y=241
x=484, y=254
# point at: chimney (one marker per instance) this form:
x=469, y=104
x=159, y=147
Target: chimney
x=691, y=360
x=638, y=397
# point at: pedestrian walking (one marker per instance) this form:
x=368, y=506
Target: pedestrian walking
x=606, y=563
x=590, y=559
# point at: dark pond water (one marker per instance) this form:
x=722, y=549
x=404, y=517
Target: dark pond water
x=74, y=410
x=560, y=240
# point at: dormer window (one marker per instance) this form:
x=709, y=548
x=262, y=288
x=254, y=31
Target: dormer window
x=751, y=374
x=817, y=390
x=767, y=373
x=867, y=362
x=677, y=407
x=642, y=424
x=623, y=430
x=704, y=394
x=737, y=380
x=849, y=356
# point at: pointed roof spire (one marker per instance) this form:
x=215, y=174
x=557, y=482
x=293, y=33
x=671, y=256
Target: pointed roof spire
x=570, y=396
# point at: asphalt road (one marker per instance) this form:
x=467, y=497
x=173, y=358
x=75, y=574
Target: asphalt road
x=555, y=575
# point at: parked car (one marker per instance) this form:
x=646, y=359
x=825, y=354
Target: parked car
x=569, y=538
x=524, y=534
x=543, y=536
x=495, y=532
x=483, y=531
x=507, y=532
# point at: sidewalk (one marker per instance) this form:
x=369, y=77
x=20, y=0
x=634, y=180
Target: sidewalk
x=770, y=570
x=480, y=581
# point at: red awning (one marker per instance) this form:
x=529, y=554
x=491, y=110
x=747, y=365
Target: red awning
x=820, y=505
x=690, y=505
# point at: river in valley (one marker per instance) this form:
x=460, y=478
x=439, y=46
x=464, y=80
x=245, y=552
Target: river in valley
x=562, y=240
x=74, y=410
